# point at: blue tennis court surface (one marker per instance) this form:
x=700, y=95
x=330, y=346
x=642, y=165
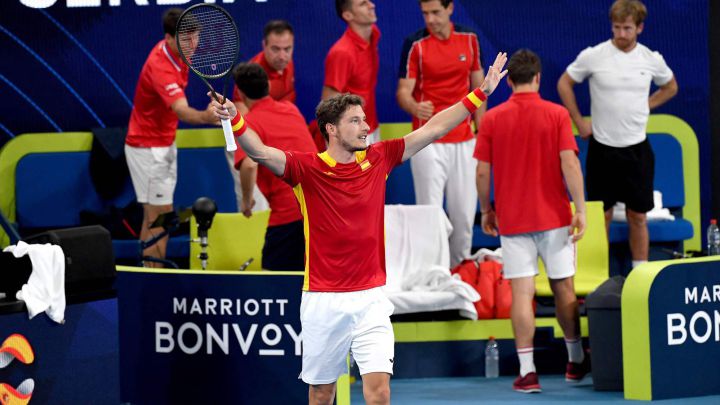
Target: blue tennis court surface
x=477, y=390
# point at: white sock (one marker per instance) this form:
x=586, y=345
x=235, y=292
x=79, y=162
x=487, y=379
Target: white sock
x=575, y=350
x=636, y=263
x=527, y=363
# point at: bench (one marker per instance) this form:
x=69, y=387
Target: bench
x=46, y=183
x=676, y=176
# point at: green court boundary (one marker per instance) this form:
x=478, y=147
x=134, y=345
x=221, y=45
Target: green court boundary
x=637, y=372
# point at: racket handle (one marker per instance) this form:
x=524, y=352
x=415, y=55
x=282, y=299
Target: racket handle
x=229, y=137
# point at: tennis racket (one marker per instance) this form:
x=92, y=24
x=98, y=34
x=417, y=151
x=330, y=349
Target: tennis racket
x=208, y=41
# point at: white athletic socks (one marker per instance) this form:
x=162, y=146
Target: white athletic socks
x=575, y=350
x=527, y=363
x=636, y=263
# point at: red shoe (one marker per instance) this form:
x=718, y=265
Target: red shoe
x=575, y=372
x=527, y=384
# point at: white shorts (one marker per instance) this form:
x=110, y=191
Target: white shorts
x=153, y=172
x=558, y=253
x=335, y=324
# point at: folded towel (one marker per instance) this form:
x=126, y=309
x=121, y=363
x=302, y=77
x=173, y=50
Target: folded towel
x=658, y=213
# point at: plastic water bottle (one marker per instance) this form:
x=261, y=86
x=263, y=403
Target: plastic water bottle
x=492, y=359
x=713, y=238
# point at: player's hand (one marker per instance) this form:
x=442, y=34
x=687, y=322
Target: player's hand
x=424, y=110
x=577, y=226
x=225, y=111
x=210, y=117
x=495, y=74
x=489, y=223
x=584, y=129
x=247, y=206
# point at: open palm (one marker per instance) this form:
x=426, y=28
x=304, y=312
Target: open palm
x=494, y=74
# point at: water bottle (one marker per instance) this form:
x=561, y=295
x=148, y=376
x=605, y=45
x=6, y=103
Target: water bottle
x=492, y=359
x=713, y=238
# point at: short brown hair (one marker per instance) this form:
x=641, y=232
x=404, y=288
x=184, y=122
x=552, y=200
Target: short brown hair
x=277, y=27
x=170, y=19
x=444, y=3
x=523, y=65
x=622, y=9
x=252, y=80
x=329, y=111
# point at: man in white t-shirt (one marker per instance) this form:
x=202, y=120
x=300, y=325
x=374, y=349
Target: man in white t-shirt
x=620, y=163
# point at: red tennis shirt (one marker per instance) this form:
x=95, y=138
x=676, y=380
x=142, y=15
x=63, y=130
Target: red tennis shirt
x=522, y=139
x=343, y=206
x=352, y=66
x=162, y=82
x=278, y=124
x=441, y=68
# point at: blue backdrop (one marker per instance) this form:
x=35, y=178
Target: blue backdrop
x=71, y=65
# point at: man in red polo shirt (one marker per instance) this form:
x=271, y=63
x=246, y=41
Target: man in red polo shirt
x=278, y=124
x=276, y=59
x=352, y=64
x=438, y=65
x=342, y=197
x=529, y=144
x=150, y=144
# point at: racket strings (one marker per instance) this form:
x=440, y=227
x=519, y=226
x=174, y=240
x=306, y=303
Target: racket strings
x=214, y=38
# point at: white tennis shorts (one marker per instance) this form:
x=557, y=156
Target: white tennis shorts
x=335, y=324
x=520, y=254
x=153, y=172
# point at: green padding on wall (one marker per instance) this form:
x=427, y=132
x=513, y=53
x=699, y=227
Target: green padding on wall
x=413, y=332
x=24, y=144
x=395, y=130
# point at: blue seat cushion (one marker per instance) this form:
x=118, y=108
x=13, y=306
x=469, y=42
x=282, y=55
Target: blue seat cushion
x=178, y=246
x=660, y=231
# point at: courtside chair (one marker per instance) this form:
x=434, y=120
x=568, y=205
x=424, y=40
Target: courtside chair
x=232, y=240
x=593, y=263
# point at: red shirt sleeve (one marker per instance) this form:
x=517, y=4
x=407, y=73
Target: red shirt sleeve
x=476, y=65
x=166, y=83
x=338, y=68
x=566, y=138
x=413, y=62
x=294, y=169
x=483, y=145
x=394, y=150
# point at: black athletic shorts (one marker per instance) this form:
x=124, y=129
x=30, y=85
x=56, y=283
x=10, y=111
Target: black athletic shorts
x=620, y=174
x=284, y=247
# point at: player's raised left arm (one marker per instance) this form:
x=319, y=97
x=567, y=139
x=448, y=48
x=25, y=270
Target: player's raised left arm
x=449, y=118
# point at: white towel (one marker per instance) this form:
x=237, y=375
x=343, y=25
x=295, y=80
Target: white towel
x=658, y=213
x=438, y=278
x=45, y=289
x=416, y=238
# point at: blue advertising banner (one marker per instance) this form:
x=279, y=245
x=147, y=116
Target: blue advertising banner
x=671, y=329
x=210, y=337
x=685, y=330
x=49, y=363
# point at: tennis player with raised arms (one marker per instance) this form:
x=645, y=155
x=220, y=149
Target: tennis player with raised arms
x=342, y=196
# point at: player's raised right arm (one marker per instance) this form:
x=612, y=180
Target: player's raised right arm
x=272, y=158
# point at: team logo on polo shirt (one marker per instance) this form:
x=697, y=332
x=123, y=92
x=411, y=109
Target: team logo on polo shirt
x=462, y=57
x=364, y=165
